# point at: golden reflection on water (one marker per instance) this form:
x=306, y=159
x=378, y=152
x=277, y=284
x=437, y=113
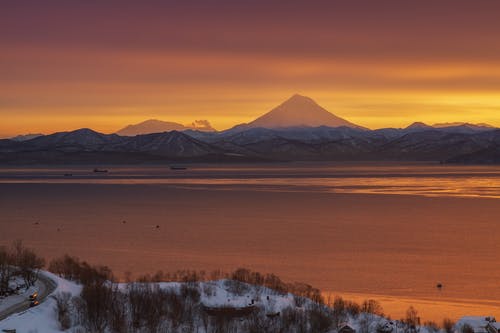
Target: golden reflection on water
x=297, y=221
x=429, y=309
x=461, y=181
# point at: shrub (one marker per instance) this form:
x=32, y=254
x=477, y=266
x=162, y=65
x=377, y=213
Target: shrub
x=175, y=308
x=339, y=311
x=320, y=320
x=191, y=292
x=352, y=308
x=146, y=304
x=72, y=269
x=209, y=290
x=293, y=320
x=299, y=300
x=97, y=300
x=28, y=263
x=431, y=327
x=412, y=320
x=448, y=325
x=373, y=307
x=466, y=328
x=118, y=314
x=63, y=309
x=6, y=269
x=236, y=287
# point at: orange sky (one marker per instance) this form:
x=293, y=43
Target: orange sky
x=71, y=64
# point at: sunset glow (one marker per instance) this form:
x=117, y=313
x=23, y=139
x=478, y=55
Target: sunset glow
x=250, y=166
x=104, y=66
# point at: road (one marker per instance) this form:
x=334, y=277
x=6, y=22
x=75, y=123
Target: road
x=45, y=287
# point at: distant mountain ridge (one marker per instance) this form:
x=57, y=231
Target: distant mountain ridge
x=286, y=133
x=24, y=137
x=157, y=126
x=455, y=124
x=259, y=144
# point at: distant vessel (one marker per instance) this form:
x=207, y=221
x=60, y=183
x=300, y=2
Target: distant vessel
x=173, y=167
x=100, y=170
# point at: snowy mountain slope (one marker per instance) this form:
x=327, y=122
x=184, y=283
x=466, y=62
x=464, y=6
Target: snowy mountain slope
x=299, y=110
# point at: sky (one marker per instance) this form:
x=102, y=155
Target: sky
x=105, y=64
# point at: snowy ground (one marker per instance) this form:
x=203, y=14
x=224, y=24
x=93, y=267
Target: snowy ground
x=40, y=319
x=216, y=294
x=7, y=302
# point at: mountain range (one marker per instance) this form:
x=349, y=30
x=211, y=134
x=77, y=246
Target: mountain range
x=157, y=126
x=298, y=129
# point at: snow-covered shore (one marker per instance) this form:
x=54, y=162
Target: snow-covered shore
x=208, y=304
x=220, y=294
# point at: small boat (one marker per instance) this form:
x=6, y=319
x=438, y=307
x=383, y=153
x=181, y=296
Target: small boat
x=173, y=167
x=100, y=170
x=68, y=174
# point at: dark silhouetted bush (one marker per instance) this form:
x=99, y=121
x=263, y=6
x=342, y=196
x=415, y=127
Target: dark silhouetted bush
x=63, y=309
x=320, y=318
x=373, y=307
x=97, y=300
x=72, y=269
x=448, y=325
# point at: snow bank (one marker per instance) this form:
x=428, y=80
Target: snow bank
x=42, y=318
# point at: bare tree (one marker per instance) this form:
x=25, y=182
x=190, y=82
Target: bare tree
x=373, y=307
x=412, y=320
x=320, y=319
x=118, y=322
x=97, y=303
x=6, y=269
x=365, y=320
x=28, y=263
x=448, y=325
x=339, y=311
x=431, y=327
x=352, y=308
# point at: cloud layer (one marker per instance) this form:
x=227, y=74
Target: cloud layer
x=69, y=64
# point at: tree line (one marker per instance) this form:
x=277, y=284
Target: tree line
x=142, y=306
x=18, y=261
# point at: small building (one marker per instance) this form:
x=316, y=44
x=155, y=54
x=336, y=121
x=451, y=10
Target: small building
x=479, y=324
x=345, y=328
x=493, y=327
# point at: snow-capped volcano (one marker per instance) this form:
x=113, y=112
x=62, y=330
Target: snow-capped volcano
x=297, y=111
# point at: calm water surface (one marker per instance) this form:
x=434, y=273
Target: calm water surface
x=372, y=230
x=423, y=179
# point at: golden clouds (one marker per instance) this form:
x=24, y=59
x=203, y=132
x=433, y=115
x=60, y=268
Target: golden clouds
x=380, y=64
x=106, y=89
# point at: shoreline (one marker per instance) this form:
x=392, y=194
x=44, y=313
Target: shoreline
x=429, y=309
